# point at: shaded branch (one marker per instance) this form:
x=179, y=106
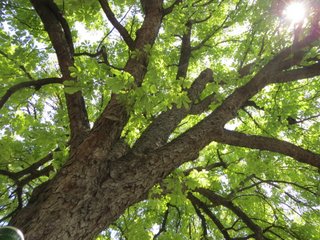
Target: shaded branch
x=216, y=199
x=198, y=85
x=207, y=168
x=92, y=55
x=253, y=104
x=59, y=32
x=158, y=132
x=8, y=174
x=197, y=202
x=121, y=29
x=305, y=188
x=36, y=84
x=203, y=221
x=169, y=9
x=106, y=60
x=33, y=167
x=296, y=74
x=42, y=172
x=270, y=144
x=203, y=105
x=292, y=121
x=163, y=224
x=60, y=35
x=185, y=52
x=105, y=36
x=32, y=171
x=24, y=177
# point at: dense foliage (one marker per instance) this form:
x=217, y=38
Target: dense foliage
x=222, y=95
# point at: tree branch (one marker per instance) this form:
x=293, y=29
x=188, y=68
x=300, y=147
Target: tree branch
x=38, y=173
x=203, y=221
x=36, y=84
x=210, y=129
x=270, y=144
x=24, y=177
x=158, y=132
x=163, y=224
x=92, y=55
x=33, y=167
x=203, y=105
x=185, y=52
x=169, y=9
x=121, y=29
x=296, y=74
x=197, y=202
x=33, y=171
x=145, y=36
x=207, y=168
x=216, y=199
x=59, y=33
x=110, y=123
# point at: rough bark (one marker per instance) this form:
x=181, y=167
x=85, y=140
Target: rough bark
x=59, y=33
x=103, y=177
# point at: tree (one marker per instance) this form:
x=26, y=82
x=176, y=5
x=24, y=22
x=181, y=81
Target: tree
x=188, y=119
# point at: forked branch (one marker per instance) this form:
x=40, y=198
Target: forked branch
x=60, y=35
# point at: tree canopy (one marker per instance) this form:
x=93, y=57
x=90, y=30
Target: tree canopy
x=160, y=119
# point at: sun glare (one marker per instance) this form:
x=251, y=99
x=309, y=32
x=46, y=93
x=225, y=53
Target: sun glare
x=295, y=12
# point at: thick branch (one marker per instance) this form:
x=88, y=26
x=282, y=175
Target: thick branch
x=8, y=174
x=145, y=36
x=211, y=128
x=270, y=144
x=246, y=69
x=185, y=52
x=267, y=75
x=121, y=29
x=38, y=173
x=115, y=115
x=203, y=105
x=158, y=132
x=92, y=55
x=59, y=33
x=36, y=84
x=296, y=74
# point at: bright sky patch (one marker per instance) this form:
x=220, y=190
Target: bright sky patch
x=295, y=12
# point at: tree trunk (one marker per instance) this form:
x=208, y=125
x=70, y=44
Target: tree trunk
x=91, y=191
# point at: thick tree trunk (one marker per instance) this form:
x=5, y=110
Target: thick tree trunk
x=89, y=193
